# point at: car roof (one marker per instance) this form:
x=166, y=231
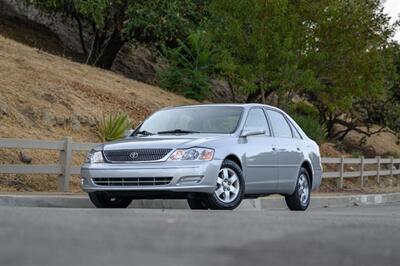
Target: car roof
x=243, y=105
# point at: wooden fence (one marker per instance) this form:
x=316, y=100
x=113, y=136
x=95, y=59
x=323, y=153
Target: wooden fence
x=64, y=169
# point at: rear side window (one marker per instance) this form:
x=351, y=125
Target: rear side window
x=256, y=119
x=296, y=133
x=279, y=124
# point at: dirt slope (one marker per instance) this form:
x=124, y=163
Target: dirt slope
x=43, y=96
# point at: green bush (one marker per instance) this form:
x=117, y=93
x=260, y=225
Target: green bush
x=307, y=116
x=191, y=64
x=309, y=122
x=310, y=126
x=113, y=127
x=304, y=108
x=190, y=83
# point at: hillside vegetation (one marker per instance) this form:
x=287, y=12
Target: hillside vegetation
x=43, y=96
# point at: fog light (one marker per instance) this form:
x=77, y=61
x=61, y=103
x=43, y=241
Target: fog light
x=190, y=179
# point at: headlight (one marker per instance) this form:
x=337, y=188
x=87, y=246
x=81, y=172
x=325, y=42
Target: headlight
x=94, y=157
x=200, y=154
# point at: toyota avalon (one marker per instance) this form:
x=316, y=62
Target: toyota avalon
x=213, y=155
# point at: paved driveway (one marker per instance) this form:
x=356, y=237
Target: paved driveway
x=331, y=236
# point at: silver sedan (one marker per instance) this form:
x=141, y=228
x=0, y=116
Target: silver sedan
x=212, y=155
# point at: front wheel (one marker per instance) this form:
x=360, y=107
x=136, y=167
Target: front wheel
x=229, y=190
x=102, y=200
x=300, y=199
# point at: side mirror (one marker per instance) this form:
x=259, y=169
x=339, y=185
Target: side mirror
x=128, y=132
x=252, y=132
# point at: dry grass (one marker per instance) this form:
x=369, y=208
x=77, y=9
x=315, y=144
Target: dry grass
x=33, y=83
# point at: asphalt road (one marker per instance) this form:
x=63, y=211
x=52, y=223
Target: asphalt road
x=331, y=236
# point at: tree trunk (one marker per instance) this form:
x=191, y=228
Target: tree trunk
x=110, y=51
x=81, y=38
x=329, y=128
x=104, y=50
x=231, y=87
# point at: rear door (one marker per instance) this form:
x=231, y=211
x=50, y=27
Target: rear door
x=289, y=150
x=261, y=158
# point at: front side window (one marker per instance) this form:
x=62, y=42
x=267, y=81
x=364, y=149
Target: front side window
x=196, y=119
x=256, y=119
x=279, y=124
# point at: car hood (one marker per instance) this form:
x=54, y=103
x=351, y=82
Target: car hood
x=161, y=141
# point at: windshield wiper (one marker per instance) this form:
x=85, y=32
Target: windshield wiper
x=177, y=131
x=144, y=133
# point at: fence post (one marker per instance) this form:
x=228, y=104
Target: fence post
x=66, y=161
x=391, y=166
x=341, y=171
x=378, y=170
x=362, y=170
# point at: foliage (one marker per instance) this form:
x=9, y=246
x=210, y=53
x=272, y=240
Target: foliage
x=306, y=115
x=115, y=22
x=311, y=127
x=261, y=40
x=190, y=67
x=113, y=127
x=333, y=53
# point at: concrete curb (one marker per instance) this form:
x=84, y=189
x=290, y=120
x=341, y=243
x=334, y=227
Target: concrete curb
x=273, y=202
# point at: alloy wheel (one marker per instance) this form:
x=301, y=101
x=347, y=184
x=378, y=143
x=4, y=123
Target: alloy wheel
x=227, y=185
x=303, y=189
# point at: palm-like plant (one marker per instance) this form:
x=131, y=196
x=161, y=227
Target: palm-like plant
x=113, y=127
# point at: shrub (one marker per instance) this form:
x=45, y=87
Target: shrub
x=310, y=126
x=113, y=127
x=307, y=116
x=304, y=108
x=191, y=64
x=187, y=82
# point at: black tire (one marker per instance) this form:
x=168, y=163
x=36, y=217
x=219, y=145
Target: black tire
x=197, y=204
x=212, y=200
x=294, y=201
x=102, y=200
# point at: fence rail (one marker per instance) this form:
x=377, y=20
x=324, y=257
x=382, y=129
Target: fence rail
x=391, y=164
x=65, y=168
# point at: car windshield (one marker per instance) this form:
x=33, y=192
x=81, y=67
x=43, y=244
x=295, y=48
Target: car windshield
x=197, y=119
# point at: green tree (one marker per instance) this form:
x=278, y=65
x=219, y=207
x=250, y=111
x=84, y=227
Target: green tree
x=331, y=52
x=115, y=22
x=262, y=41
x=346, y=50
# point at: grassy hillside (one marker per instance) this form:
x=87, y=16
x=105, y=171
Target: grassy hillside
x=43, y=96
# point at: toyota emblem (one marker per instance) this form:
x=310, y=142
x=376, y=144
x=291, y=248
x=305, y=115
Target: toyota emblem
x=133, y=155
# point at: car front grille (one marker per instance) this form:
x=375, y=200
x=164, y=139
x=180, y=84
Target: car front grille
x=136, y=155
x=132, y=181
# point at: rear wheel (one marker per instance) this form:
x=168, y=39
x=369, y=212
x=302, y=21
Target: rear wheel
x=229, y=191
x=102, y=200
x=300, y=199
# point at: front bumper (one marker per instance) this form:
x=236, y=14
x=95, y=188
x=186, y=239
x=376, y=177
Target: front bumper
x=205, y=171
